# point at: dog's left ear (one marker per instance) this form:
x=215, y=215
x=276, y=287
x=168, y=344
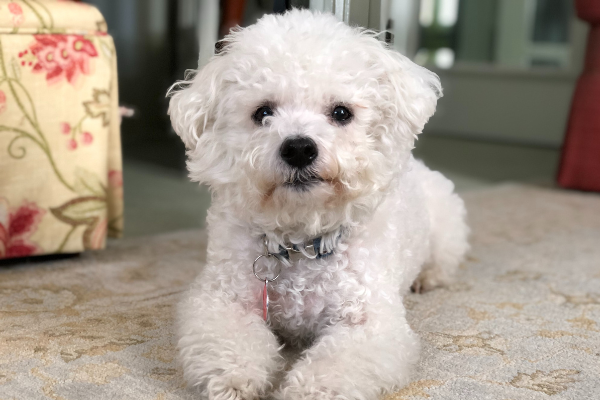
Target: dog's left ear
x=194, y=101
x=410, y=92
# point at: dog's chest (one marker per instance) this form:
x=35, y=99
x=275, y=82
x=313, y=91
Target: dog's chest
x=311, y=293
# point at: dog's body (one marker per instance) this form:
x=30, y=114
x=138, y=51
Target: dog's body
x=303, y=129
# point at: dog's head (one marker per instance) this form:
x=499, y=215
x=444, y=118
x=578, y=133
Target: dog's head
x=301, y=123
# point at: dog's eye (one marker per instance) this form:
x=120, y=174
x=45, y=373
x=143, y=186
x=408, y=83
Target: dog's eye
x=262, y=113
x=341, y=114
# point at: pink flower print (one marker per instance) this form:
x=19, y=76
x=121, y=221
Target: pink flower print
x=65, y=128
x=115, y=178
x=87, y=138
x=62, y=56
x=26, y=58
x=16, y=227
x=17, y=13
x=72, y=144
x=98, y=235
x=2, y=101
x=115, y=183
x=15, y=9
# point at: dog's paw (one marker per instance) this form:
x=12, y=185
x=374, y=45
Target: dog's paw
x=231, y=393
x=305, y=384
x=304, y=393
x=428, y=280
x=233, y=388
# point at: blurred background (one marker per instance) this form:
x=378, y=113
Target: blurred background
x=508, y=68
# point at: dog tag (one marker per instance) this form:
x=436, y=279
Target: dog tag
x=265, y=296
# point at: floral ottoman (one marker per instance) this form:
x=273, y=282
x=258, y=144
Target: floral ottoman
x=60, y=156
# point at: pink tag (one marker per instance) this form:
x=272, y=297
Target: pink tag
x=265, y=297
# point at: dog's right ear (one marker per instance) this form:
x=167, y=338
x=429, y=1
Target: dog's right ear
x=194, y=101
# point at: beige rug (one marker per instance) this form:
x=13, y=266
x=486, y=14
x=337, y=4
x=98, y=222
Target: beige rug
x=521, y=322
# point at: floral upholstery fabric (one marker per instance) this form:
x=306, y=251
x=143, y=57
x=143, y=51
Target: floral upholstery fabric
x=60, y=157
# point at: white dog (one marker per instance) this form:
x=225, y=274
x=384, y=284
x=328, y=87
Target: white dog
x=303, y=129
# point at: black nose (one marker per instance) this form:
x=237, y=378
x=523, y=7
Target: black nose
x=299, y=151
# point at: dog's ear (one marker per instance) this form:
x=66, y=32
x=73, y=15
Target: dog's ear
x=409, y=90
x=194, y=101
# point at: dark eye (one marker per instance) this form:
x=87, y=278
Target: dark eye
x=261, y=113
x=341, y=114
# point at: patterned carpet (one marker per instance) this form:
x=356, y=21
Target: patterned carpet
x=522, y=320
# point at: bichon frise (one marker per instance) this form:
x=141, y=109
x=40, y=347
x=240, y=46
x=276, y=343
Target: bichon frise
x=321, y=219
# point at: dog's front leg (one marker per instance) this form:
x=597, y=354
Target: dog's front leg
x=226, y=349
x=359, y=361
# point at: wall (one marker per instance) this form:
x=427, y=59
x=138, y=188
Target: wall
x=504, y=99
x=511, y=106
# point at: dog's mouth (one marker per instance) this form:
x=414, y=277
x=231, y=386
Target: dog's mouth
x=303, y=182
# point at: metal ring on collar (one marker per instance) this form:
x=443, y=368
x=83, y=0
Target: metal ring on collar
x=256, y=274
x=294, y=249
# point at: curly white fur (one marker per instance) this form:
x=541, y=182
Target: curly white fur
x=398, y=217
